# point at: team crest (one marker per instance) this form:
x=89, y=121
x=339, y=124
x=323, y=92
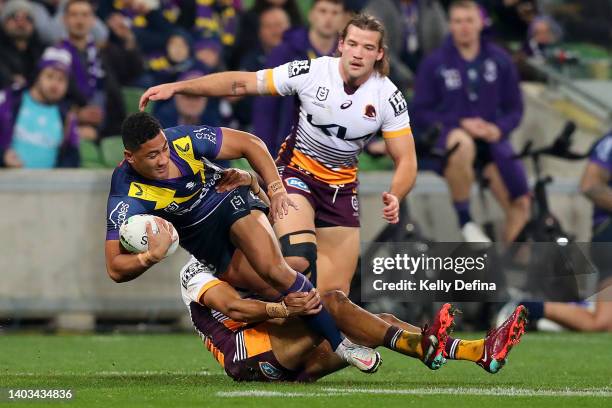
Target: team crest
x=322, y=93
x=370, y=112
x=270, y=371
x=355, y=203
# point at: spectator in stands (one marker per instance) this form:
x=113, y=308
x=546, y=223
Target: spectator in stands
x=176, y=59
x=20, y=46
x=543, y=35
x=470, y=88
x=148, y=23
x=208, y=52
x=249, y=24
x=272, y=117
x=273, y=22
x=188, y=110
x=37, y=129
x=585, y=20
x=49, y=22
x=414, y=28
x=95, y=85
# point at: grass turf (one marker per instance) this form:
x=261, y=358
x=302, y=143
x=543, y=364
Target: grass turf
x=175, y=370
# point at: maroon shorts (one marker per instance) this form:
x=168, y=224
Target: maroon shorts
x=244, y=352
x=334, y=206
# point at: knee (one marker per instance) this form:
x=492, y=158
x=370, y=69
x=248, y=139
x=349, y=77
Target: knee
x=300, y=251
x=522, y=205
x=332, y=298
x=466, y=151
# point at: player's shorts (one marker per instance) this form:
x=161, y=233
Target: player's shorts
x=334, y=206
x=512, y=171
x=245, y=353
x=209, y=240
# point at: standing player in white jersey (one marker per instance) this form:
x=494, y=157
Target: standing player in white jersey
x=343, y=102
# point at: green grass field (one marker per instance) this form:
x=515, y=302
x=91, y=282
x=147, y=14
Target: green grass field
x=545, y=370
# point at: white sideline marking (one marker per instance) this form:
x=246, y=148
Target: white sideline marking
x=112, y=373
x=508, y=392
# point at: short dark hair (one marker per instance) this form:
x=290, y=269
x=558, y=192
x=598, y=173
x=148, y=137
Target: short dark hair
x=139, y=128
x=69, y=3
x=456, y=4
x=339, y=2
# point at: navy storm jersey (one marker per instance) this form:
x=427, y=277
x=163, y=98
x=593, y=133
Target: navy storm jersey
x=601, y=154
x=185, y=201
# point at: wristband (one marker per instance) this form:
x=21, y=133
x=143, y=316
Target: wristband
x=277, y=309
x=275, y=188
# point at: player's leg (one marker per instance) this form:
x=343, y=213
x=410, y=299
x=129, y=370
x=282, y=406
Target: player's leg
x=338, y=252
x=254, y=236
x=508, y=183
x=459, y=175
x=297, y=238
x=576, y=317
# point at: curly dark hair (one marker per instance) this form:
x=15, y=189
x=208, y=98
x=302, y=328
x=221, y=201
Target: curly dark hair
x=138, y=128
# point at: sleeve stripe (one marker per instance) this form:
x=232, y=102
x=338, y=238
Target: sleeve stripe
x=270, y=82
x=397, y=133
x=206, y=287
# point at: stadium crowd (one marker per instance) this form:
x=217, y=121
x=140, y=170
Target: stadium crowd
x=111, y=45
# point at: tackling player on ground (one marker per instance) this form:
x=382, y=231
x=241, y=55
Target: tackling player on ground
x=252, y=347
x=168, y=173
x=343, y=102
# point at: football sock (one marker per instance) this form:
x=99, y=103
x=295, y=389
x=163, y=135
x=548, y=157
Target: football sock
x=462, y=208
x=471, y=350
x=321, y=323
x=403, y=342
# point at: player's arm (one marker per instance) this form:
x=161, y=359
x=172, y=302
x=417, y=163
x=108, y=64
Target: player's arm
x=237, y=144
x=123, y=266
x=594, y=185
x=224, y=298
x=230, y=83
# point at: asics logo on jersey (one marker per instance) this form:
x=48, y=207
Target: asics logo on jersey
x=346, y=105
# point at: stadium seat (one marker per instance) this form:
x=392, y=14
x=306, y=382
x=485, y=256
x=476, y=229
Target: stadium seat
x=369, y=163
x=112, y=151
x=90, y=155
x=131, y=97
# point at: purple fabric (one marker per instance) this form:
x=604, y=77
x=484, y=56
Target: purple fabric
x=601, y=154
x=441, y=94
x=86, y=74
x=273, y=116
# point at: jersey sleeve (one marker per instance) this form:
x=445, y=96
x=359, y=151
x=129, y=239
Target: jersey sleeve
x=200, y=141
x=119, y=209
x=287, y=79
x=196, y=279
x=396, y=122
x=601, y=154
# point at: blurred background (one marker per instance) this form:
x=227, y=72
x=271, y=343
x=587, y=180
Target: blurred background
x=70, y=72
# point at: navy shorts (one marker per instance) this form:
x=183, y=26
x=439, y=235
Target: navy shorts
x=209, y=240
x=334, y=206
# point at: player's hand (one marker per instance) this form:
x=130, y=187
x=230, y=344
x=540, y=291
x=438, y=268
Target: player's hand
x=11, y=159
x=391, y=209
x=160, y=242
x=279, y=205
x=492, y=133
x=233, y=178
x=157, y=93
x=303, y=303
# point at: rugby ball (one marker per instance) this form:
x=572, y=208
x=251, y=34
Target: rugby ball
x=133, y=234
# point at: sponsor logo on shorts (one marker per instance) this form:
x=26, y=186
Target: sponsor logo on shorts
x=121, y=209
x=270, y=371
x=298, y=68
x=297, y=183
